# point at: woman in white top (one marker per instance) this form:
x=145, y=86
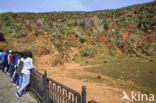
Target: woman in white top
x=27, y=66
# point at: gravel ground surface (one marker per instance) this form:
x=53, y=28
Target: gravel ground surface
x=7, y=92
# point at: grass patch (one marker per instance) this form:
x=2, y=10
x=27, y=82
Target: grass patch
x=87, y=78
x=34, y=97
x=81, y=60
x=103, y=59
x=133, y=73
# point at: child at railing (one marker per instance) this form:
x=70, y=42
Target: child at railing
x=15, y=77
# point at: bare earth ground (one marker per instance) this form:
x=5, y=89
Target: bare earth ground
x=7, y=92
x=101, y=92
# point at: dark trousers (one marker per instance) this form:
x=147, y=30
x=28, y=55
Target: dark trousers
x=16, y=79
x=11, y=69
x=8, y=68
x=2, y=67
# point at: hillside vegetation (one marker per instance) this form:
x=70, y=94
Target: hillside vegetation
x=68, y=36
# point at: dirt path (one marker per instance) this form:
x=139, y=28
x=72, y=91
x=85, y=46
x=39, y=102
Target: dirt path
x=100, y=92
x=7, y=92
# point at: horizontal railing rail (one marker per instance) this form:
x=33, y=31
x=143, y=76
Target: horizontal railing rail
x=48, y=90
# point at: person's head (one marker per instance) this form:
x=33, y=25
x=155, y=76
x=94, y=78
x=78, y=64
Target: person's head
x=25, y=54
x=15, y=52
x=29, y=54
x=1, y=50
x=10, y=51
x=5, y=50
x=20, y=54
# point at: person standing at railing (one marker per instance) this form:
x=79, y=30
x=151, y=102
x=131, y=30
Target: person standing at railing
x=13, y=62
x=10, y=53
x=6, y=62
x=11, y=65
x=27, y=66
x=2, y=57
x=19, y=69
x=15, y=76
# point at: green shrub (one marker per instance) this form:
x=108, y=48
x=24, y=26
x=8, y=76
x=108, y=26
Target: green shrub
x=45, y=18
x=153, y=54
x=99, y=45
x=30, y=29
x=18, y=27
x=56, y=35
x=51, y=38
x=67, y=17
x=149, y=50
x=46, y=47
x=66, y=32
x=81, y=46
x=82, y=25
x=69, y=60
x=88, y=52
x=83, y=39
x=106, y=26
x=4, y=18
x=119, y=42
x=146, y=19
x=14, y=35
x=111, y=51
x=36, y=32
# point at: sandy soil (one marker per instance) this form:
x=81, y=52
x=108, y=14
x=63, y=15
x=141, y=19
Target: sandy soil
x=101, y=92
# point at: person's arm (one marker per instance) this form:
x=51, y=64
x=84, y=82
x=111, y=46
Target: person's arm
x=19, y=69
x=0, y=56
x=18, y=62
x=31, y=64
x=13, y=59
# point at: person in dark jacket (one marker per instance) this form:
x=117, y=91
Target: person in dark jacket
x=17, y=71
x=5, y=63
x=2, y=57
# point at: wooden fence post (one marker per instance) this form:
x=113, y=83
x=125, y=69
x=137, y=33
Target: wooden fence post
x=84, y=94
x=45, y=83
x=47, y=91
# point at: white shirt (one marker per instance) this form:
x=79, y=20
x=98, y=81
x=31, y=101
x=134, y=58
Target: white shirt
x=27, y=65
